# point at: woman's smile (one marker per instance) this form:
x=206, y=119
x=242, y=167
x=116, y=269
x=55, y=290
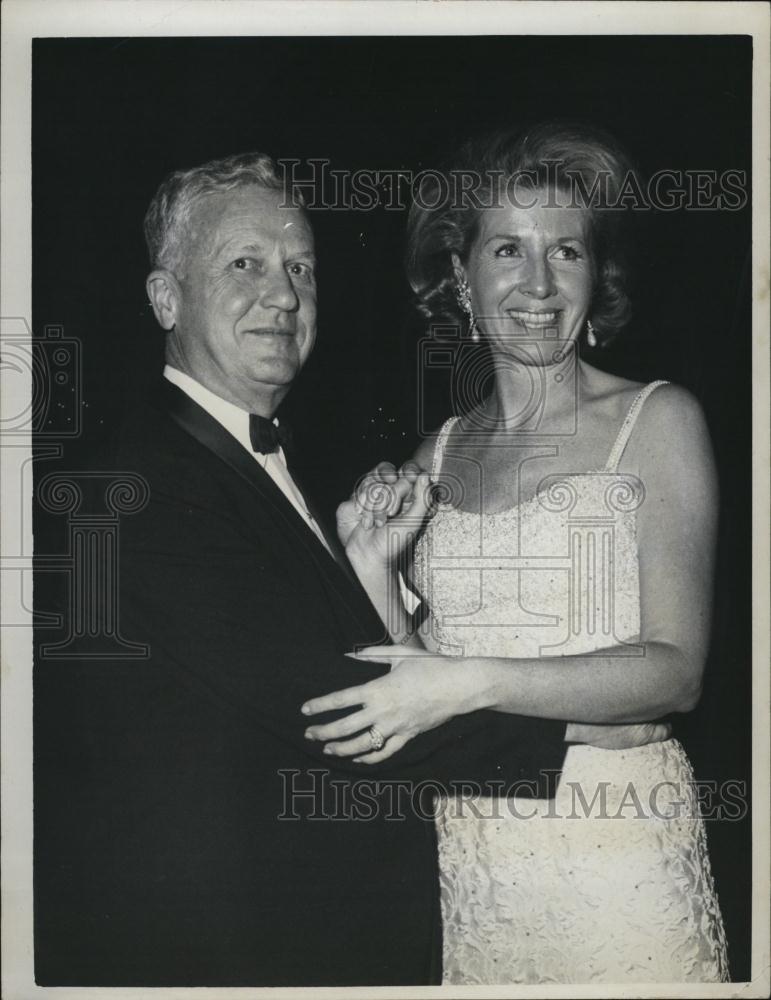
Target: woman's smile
x=540, y=318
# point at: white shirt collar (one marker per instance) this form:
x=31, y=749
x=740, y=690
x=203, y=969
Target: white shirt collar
x=231, y=417
x=236, y=422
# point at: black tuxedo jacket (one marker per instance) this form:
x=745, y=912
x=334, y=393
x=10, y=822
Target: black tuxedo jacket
x=168, y=848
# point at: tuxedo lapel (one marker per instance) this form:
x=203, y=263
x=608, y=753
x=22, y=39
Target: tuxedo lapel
x=193, y=419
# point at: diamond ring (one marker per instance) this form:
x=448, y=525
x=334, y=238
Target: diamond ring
x=376, y=738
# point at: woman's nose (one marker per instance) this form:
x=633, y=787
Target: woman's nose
x=279, y=292
x=538, y=280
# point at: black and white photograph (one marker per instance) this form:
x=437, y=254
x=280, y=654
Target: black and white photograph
x=385, y=498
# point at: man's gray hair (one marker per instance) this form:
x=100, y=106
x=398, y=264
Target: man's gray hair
x=167, y=217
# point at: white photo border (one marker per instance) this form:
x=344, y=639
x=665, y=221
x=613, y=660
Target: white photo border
x=23, y=20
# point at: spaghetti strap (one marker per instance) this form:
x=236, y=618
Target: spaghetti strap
x=441, y=443
x=628, y=425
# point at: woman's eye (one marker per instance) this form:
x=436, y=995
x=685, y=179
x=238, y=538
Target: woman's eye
x=568, y=253
x=508, y=250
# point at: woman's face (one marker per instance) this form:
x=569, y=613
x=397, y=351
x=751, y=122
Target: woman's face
x=531, y=275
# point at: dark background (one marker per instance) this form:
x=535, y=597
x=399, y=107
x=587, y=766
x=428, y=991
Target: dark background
x=112, y=116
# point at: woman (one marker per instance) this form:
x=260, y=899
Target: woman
x=568, y=575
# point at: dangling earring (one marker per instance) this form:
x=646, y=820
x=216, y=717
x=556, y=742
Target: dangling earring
x=591, y=336
x=463, y=295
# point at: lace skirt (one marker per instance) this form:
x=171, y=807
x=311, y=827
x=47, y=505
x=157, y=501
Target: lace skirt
x=609, y=882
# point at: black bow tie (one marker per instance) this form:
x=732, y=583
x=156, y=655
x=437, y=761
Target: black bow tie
x=265, y=436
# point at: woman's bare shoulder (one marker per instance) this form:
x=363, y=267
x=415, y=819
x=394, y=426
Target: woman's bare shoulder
x=671, y=436
x=664, y=409
x=669, y=426
x=612, y=392
x=672, y=418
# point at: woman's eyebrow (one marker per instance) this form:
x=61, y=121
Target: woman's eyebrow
x=509, y=237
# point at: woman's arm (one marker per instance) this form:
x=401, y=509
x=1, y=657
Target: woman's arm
x=676, y=528
x=671, y=452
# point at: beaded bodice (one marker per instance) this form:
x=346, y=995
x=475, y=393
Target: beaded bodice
x=555, y=575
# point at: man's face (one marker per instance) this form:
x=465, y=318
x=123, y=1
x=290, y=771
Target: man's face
x=246, y=316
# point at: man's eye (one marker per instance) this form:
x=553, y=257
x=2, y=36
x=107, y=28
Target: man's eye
x=244, y=264
x=301, y=270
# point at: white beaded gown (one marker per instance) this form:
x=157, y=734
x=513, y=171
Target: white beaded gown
x=609, y=882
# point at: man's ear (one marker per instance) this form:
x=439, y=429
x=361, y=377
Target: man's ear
x=164, y=293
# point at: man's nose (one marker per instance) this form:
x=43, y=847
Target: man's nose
x=537, y=279
x=279, y=292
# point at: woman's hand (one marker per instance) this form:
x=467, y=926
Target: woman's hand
x=420, y=693
x=386, y=510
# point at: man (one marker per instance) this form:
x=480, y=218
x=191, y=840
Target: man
x=166, y=850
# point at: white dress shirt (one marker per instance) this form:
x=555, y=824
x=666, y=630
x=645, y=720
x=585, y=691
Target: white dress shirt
x=236, y=422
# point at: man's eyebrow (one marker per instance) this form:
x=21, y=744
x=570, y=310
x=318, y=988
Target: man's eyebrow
x=236, y=244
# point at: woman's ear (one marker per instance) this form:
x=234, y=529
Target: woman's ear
x=164, y=294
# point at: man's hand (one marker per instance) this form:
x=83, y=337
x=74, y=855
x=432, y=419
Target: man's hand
x=386, y=510
x=618, y=737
